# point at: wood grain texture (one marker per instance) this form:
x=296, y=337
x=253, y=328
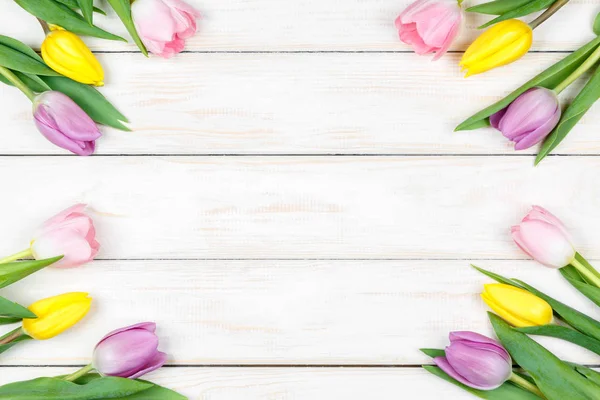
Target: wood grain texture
x=286, y=383
x=282, y=312
x=298, y=104
x=308, y=25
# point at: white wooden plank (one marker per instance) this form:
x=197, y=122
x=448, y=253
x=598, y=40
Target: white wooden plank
x=252, y=25
x=286, y=383
x=296, y=103
x=282, y=312
x=301, y=207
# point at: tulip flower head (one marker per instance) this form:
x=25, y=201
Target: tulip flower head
x=476, y=361
x=56, y=315
x=164, y=25
x=516, y=306
x=70, y=233
x=64, y=123
x=502, y=44
x=430, y=25
x=528, y=119
x=545, y=238
x=129, y=352
x=68, y=55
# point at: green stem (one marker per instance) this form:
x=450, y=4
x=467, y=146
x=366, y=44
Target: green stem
x=8, y=74
x=18, y=256
x=78, y=374
x=589, y=275
x=587, y=64
x=11, y=336
x=550, y=11
x=525, y=384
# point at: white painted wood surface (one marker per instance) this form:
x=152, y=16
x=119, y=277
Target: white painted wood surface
x=293, y=194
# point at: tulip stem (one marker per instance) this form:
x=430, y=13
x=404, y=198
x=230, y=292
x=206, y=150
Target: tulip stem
x=587, y=274
x=78, y=374
x=11, y=336
x=587, y=64
x=550, y=11
x=12, y=78
x=525, y=384
x=17, y=256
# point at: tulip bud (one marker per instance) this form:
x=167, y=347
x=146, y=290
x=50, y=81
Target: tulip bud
x=68, y=55
x=430, y=25
x=70, y=233
x=129, y=352
x=517, y=306
x=476, y=361
x=545, y=238
x=529, y=118
x=64, y=123
x=56, y=314
x=503, y=43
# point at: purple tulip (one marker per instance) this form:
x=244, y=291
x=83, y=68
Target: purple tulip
x=476, y=361
x=64, y=123
x=528, y=119
x=129, y=352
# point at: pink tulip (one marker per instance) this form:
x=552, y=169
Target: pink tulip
x=545, y=238
x=164, y=25
x=430, y=25
x=70, y=233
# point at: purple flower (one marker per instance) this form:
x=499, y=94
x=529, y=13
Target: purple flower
x=476, y=361
x=528, y=119
x=129, y=352
x=64, y=123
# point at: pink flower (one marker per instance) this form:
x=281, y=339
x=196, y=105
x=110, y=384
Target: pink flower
x=164, y=25
x=70, y=233
x=430, y=25
x=545, y=238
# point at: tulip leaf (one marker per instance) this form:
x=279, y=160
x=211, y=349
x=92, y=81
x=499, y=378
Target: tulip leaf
x=8, y=346
x=90, y=100
x=498, y=278
x=19, y=61
x=20, y=46
x=574, y=112
x=589, y=373
x=433, y=353
x=526, y=9
x=549, y=79
x=58, y=389
x=123, y=10
x=556, y=379
x=497, y=7
x=59, y=14
x=564, y=333
x=597, y=24
x=87, y=9
x=155, y=392
x=15, y=271
x=590, y=291
x=11, y=310
x=73, y=4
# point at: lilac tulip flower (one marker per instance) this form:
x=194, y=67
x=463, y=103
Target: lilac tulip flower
x=64, y=123
x=129, y=352
x=476, y=361
x=528, y=119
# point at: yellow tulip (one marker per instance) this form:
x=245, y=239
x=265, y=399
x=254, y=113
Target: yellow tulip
x=56, y=314
x=68, y=55
x=517, y=306
x=503, y=43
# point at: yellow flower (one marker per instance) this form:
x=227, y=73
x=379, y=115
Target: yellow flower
x=503, y=43
x=68, y=55
x=56, y=314
x=517, y=306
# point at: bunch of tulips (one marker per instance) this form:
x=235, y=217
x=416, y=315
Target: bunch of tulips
x=484, y=366
x=60, y=83
x=68, y=240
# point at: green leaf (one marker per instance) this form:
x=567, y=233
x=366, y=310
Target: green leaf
x=73, y=4
x=15, y=271
x=549, y=79
x=155, y=392
x=556, y=379
x=123, y=10
x=9, y=309
x=589, y=373
x=8, y=346
x=42, y=86
x=574, y=112
x=58, y=389
x=20, y=46
x=87, y=9
x=498, y=278
x=526, y=9
x=591, y=292
x=597, y=25
x=561, y=332
x=433, y=353
x=90, y=100
x=497, y=7
x=63, y=16
x=19, y=61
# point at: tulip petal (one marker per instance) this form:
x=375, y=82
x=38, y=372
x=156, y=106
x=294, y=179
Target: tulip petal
x=546, y=243
x=155, y=363
x=445, y=366
x=67, y=242
x=148, y=326
x=481, y=366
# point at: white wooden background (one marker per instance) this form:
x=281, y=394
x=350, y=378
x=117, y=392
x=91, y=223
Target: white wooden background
x=293, y=208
